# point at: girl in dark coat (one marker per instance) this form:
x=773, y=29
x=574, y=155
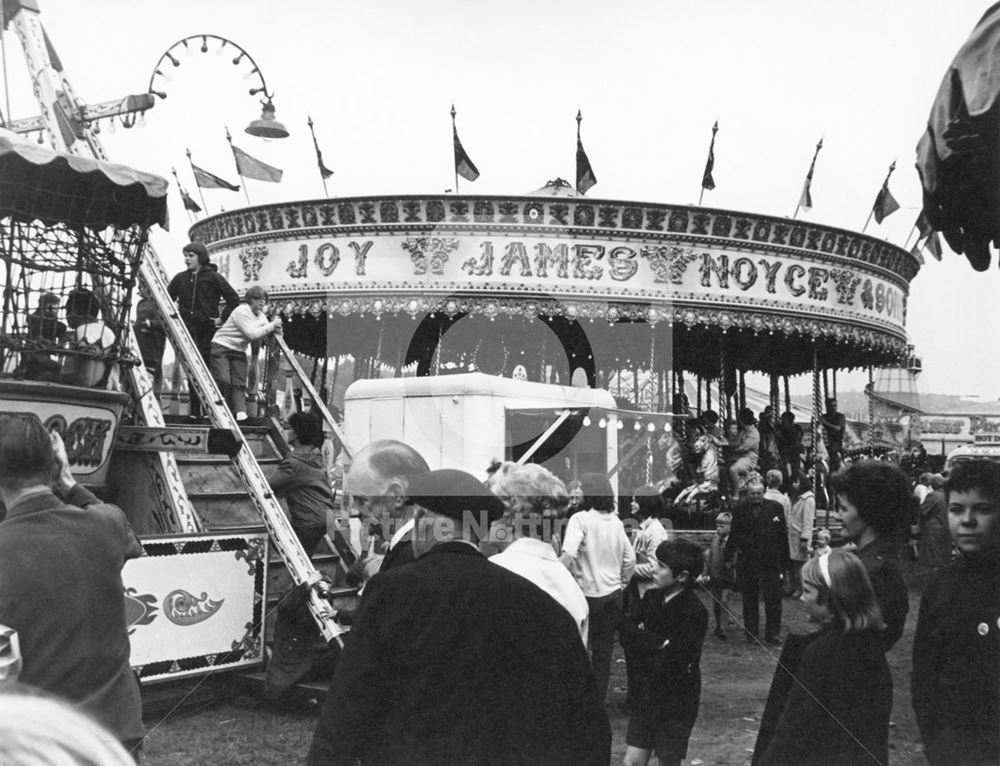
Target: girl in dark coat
x=831, y=695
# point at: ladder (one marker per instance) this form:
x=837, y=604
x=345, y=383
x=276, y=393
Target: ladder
x=66, y=118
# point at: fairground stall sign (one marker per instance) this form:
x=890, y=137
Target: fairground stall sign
x=711, y=273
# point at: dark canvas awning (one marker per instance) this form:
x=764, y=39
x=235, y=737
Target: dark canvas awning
x=39, y=184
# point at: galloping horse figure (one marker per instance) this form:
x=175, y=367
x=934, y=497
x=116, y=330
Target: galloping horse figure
x=707, y=472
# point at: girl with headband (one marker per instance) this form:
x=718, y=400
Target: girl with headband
x=831, y=696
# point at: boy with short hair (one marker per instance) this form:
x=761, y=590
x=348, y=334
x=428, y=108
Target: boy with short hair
x=719, y=573
x=669, y=629
x=956, y=649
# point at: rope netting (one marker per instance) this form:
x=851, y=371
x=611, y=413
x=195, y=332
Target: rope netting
x=66, y=300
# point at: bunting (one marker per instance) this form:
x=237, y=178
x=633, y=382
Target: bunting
x=585, y=177
x=207, y=180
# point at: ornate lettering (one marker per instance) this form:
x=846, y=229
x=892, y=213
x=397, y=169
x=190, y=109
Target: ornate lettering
x=866, y=295
x=299, y=267
x=582, y=258
x=668, y=263
x=770, y=273
x=327, y=258
x=879, y=297
x=744, y=273
x=792, y=273
x=557, y=256
x=515, y=252
x=360, y=255
x=84, y=438
x=846, y=282
x=818, y=278
x=622, y=263
x=251, y=259
x=720, y=268
x=483, y=267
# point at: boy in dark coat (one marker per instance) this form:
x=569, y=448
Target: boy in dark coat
x=668, y=629
x=956, y=649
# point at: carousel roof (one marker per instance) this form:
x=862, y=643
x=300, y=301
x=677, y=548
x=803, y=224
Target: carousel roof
x=39, y=184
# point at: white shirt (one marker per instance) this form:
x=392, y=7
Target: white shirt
x=781, y=499
x=598, y=544
x=651, y=534
x=535, y=560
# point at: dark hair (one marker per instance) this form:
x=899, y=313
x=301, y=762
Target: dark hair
x=983, y=475
x=597, y=492
x=82, y=303
x=308, y=428
x=880, y=491
x=710, y=416
x=682, y=556
x=255, y=291
x=746, y=417
x=198, y=249
x=26, y=455
x=650, y=502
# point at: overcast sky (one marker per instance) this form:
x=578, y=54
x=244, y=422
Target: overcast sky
x=379, y=78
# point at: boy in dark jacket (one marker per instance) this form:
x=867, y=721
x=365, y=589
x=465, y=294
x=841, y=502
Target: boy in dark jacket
x=669, y=629
x=956, y=649
x=199, y=290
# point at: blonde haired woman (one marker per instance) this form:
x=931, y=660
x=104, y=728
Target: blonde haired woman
x=831, y=695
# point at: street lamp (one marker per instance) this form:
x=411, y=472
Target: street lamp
x=266, y=126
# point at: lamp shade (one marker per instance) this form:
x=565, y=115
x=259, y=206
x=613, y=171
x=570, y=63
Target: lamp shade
x=267, y=126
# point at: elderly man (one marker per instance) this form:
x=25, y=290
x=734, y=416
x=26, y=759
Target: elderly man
x=454, y=660
x=60, y=581
x=759, y=544
x=377, y=483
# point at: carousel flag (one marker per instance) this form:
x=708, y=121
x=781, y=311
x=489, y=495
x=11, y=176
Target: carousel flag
x=923, y=225
x=207, y=180
x=707, y=182
x=463, y=165
x=806, y=200
x=251, y=167
x=585, y=177
x=324, y=171
x=885, y=204
x=190, y=204
x=933, y=244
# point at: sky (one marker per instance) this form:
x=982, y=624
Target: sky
x=378, y=79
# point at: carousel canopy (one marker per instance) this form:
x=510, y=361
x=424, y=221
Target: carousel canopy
x=40, y=184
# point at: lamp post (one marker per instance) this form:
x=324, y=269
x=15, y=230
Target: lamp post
x=266, y=126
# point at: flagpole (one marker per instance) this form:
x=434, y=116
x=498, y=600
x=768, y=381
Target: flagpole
x=322, y=177
x=907, y=242
x=711, y=154
x=200, y=194
x=173, y=170
x=885, y=188
x=246, y=193
x=809, y=176
x=454, y=132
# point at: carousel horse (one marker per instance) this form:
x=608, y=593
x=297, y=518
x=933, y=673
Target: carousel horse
x=707, y=472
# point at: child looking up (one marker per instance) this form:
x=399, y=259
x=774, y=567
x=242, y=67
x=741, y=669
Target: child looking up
x=668, y=631
x=831, y=695
x=956, y=649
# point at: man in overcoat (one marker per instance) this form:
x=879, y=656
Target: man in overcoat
x=759, y=545
x=453, y=659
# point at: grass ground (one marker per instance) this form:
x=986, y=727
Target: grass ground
x=231, y=726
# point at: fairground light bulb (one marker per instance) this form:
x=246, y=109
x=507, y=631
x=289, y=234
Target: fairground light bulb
x=586, y=421
x=602, y=423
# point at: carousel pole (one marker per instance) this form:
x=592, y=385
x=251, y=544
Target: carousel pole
x=742, y=391
x=871, y=412
x=788, y=396
x=652, y=369
x=333, y=380
x=723, y=394
x=826, y=386
x=833, y=381
x=697, y=405
x=376, y=361
x=816, y=429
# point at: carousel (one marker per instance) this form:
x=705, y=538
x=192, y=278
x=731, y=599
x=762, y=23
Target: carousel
x=666, y=306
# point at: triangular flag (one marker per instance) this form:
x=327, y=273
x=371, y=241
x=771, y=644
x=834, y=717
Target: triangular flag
x=806, y=200
x=885, y=203
x=463, y=165
x=324, y=171
x=923, y=225
x=190, y=204
x=933, y=244
x=915, y=252
x=585, y=177
x=251, y=167
x=707, y=182
x=207, y=180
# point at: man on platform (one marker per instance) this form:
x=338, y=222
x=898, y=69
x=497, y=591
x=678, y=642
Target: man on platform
x=455, y=660
x=377, y=483
x=759, y=544
x=60, y=581
x=834, y=425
